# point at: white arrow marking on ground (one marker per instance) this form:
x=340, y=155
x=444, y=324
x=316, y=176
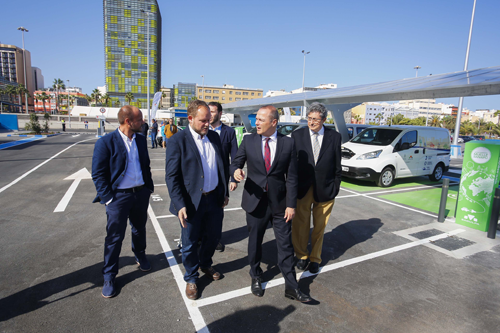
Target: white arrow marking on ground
x=77, y=177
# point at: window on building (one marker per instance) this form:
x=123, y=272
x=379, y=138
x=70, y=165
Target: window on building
x=208, y=97
x=238, y=93
x=259, y=94
x=245, y=93
x=237, y=99
x=230, y=93
x=208, y=90
x=245, y=99
x=230, y=98
x=216, y=91
x=200, y=90
x=223, y=98
x=223, y=91
x=216, y=97
x=253, y=94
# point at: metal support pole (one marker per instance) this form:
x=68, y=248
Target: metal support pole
x=303, y=78
x=455, y=148
x=444, y=197
x=69, y=115
x=203, y=88
x=23, y=29
x=149, y=112
x=492, y=231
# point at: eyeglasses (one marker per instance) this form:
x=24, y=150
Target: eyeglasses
x=314, y=120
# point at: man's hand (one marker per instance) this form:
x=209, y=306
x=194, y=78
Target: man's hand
x=239, y=175
x=233, y=186
x=289, y=214
x=183, y=217
x=226, y=201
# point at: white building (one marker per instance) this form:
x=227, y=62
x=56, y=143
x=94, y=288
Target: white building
x=102, y=90
x=74, y=89
x=272, y=93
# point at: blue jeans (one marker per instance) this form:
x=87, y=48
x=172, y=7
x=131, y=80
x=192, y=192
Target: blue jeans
x=153, y=140
x=125, y=206
x=206, y=224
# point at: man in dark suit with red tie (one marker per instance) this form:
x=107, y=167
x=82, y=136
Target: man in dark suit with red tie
x=269, y=195
x=319, y=164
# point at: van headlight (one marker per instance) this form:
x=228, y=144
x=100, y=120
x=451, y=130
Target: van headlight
x=367, y=156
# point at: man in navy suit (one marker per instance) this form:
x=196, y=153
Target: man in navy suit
x=122, y=178
x=269, y=195
x=196, y=177
x=320, y=172
x=229, y=144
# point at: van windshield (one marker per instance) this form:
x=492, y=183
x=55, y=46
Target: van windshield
x=376, y=136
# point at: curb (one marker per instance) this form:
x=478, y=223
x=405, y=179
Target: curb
x=33, y=136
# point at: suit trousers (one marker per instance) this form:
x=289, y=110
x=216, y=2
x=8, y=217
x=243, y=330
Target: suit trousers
x=153, y=140
x=257, y=224
x=206, y=224
x=125, y=206
x=302, y=223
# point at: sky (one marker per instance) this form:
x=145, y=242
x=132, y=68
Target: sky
x=258, y=44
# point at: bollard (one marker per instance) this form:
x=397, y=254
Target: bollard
x=458, y=194
x=444, y=197
x=495, y=209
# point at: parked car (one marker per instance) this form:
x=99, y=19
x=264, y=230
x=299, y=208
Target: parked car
x=479, y=137
x=459, y=140
x=466, y=138
x=384, y=153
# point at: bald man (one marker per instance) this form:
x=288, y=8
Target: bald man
x=122, y=178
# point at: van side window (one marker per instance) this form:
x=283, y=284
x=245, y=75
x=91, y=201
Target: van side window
x=408, y=141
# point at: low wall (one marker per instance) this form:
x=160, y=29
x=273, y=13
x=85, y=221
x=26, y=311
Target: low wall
x=76, y=122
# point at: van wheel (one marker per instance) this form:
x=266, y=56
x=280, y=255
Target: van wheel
x=437, y=174
x=386, y=177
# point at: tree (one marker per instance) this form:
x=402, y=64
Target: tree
x=106, y=98
x=89, y=99
x=11, y=91
x=357, y=118
x=435, y=121
x=117, y=103
x=397, y=119
x=96, y=96
x=57, y=85
x=379, y=117
x=47, y=117
x=43, y=98
x=33, y=124
x=21, y=90
x=448, y=122
x=129, y=97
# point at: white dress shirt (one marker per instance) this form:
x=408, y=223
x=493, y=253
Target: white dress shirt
x=133, y=172
x=208, y=161
x=272, y=146
x=321, y=134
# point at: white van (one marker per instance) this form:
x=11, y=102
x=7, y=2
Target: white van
x=384, y=153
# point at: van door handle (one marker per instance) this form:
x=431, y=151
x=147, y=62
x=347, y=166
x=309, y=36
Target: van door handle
x=417, y=151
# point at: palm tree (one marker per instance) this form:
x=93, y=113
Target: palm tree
x=357, y=118
x=106, y=98
x=89, y=99
x=435, y=121
x=3, y=91
x=21, y=90
x=56, y=85
x=96, y=96
x=379, y=117
x=497, y=113
x=129, y=97
x=11, y=90
x=43, y=98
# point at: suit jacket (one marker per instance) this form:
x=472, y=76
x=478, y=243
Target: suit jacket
x=184, y=171
x=229, y=144
x=281, y=179
x=168, y=132
x=325, y=176
x=144, y=129
x=109, y=163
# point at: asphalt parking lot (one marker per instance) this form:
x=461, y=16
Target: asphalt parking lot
x=388, y=265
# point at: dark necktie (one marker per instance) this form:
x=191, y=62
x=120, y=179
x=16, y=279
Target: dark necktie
x=267, y=155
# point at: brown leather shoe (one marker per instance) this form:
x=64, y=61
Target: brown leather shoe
x=212, y=273
x=191, y=291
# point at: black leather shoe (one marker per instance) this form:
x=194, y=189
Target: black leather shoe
x=302, y=264
x=314, y=267
x=297, y=295
x=257, y=288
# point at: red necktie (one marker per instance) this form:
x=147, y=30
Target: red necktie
x=267, y=155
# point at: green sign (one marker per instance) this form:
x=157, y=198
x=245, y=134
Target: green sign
x=239, y=134
x=480, y=176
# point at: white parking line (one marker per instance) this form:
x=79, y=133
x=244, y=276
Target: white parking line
x=39, y=165
x=389, y=191
x=194, y=312
x=327, y=268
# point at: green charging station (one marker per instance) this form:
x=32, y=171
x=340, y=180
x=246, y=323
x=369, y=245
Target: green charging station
x=480, y=176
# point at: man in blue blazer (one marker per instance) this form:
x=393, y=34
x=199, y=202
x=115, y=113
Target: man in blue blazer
x=269, y=195
x=122, y=178
x=229, y=144
x=196, y=177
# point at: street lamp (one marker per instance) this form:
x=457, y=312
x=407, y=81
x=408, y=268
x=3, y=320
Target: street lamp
x=23, y=29
x=69, y=116
x=303, y=77
x=203, y=87
x=148, y=14
x=417, y=68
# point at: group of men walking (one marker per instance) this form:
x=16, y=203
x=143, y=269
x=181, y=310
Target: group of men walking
x=286, y=179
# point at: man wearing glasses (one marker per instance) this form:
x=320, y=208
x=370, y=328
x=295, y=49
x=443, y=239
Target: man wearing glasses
x=319, y=165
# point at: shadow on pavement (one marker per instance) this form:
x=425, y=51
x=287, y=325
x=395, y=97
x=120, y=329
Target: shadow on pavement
x=259, y=319
x=34, y=297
